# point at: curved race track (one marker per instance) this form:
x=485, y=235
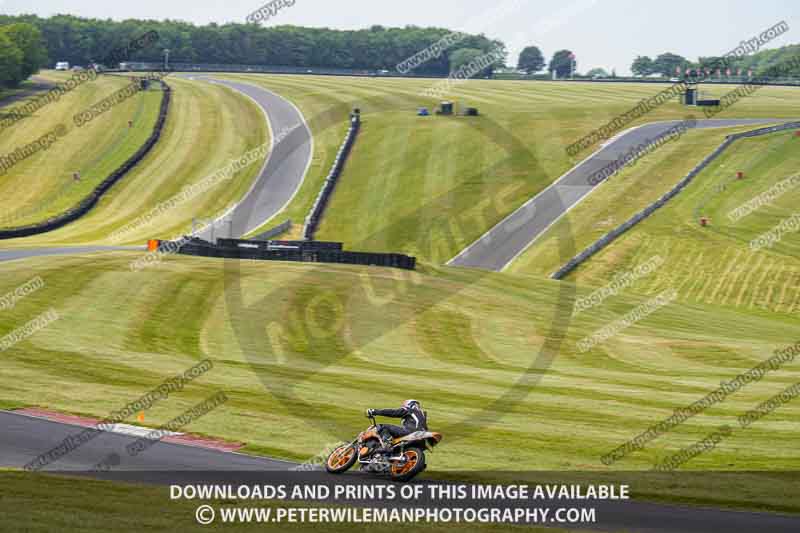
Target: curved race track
x=284, y=170
x=276, y=184
x=24, y=438
x=502, y=244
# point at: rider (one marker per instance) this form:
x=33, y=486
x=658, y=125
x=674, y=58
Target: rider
x=414, y=419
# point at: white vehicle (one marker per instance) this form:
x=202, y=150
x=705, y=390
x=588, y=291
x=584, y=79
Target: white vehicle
x=62, y=65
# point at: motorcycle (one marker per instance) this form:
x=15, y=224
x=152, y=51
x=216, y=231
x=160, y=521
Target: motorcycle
x=405, y=459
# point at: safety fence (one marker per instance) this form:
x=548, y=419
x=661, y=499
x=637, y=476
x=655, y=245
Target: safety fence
x=318, y=209
x=274, y=232
x=611, y=236
x=87, y=203
x=297, y=251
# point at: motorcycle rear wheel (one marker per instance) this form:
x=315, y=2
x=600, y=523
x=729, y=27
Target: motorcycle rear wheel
x=414, y=464
x=341, y=459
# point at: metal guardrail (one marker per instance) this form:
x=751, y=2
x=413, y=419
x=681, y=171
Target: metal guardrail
x=614, y=234
x=274, y=232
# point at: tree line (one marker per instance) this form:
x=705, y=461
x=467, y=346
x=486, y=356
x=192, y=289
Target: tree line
x=29, y=42
x=22, y=53
x=669, y=64
x=531, y=60
x=81, y=41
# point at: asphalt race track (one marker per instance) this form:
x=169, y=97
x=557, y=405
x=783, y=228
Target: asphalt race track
x=23, y=438
x=498, y=247
x=285, y=168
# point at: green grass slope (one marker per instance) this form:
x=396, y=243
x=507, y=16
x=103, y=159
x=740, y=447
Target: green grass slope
x=616, y=200
x=42, y=185
x=716, y=265
x=431, y=186
x=208, y=126
x=307, y=348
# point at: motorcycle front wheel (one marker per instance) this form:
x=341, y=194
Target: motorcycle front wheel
x=341, y=459
x=414, y=464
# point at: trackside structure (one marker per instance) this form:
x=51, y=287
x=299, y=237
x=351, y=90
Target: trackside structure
x=298, y=251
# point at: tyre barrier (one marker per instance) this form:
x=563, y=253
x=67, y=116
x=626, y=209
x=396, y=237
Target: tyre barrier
x=318, y=209
x=86, y=205
x=297, y=251
x=611, y=236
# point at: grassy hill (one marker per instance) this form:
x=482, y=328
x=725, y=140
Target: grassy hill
x=42, y=185
x=619, y=198
x=303, y=349
x=431, y=186
x=208, y=126
x=426, y=186
x=716, y=265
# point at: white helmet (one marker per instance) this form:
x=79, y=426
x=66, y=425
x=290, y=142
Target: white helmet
x=409, y=403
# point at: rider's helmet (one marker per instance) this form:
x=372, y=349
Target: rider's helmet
x=409, y=403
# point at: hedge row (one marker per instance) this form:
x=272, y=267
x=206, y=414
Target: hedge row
x=611, y=236
x=86, y=204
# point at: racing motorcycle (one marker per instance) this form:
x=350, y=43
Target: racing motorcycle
x=405, y=459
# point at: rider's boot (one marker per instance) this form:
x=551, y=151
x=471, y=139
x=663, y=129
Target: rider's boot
x=387, y=438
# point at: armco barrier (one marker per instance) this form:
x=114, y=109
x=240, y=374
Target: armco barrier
x=611, y=236
x=299, y=251
x=274, y=232
x=318, y=209
x=85, y=205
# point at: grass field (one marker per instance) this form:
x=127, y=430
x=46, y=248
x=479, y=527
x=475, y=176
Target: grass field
x=302, y=350
x=619, y=198
x=207, y=127
x=425, y=186
x=458, y=340
x=716, y=265
x=42, y=185
x=431, y=186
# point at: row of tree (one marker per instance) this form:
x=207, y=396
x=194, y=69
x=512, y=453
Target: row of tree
x=531, y=60
x=670, y=64
x=22, y=53
x=82, y=41
x=29, y=42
